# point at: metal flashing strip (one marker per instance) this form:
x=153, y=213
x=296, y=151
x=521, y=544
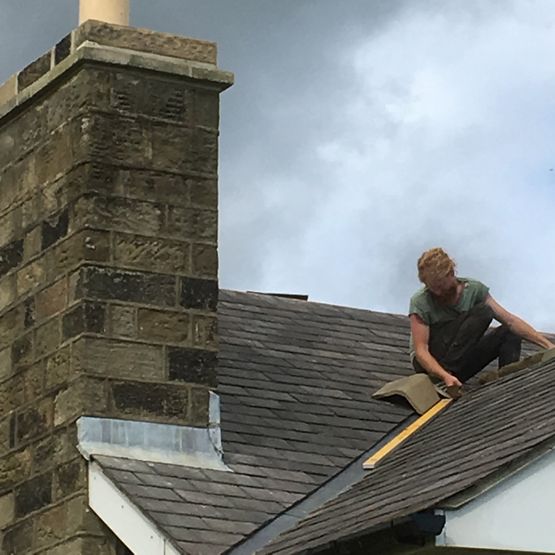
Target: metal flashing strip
x=152, y=442
x=127, y=522
x=342, y=481
x=372, y=461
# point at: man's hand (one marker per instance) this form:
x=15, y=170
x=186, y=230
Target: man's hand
x=451, y=380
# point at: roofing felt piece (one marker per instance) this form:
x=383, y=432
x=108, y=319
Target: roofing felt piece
x=472, y=439
x=296, y=383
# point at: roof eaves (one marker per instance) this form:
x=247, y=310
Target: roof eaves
x=492, y=480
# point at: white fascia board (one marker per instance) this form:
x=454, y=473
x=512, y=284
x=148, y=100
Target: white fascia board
x=515, y=515
x=127, y=522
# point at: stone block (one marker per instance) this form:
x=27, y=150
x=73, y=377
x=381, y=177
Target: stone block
x=81, y=396
x=62, y=49
x=195, y=366
x=199, y=293
x=10, y=222
x=199, y=409
x=33, y=380
x=8, y=291
x=51, y=527
x=171, y=148
x=118, y=359
x=34, y=494
x=85, y=317
x=18, y=539
x=130, y=286
x=32, y=244
x=8, y=89
x=204, y=193
x=34, y=421
x=30, y=277
x=151, y=186
x=164, y=326
x=123, y=321
x=205, y=331
x=156, y=402
x=205, y=260
x=205, y=152
x=23, y=351
x=51, y=300
x=158, y=98
x=121, y=214
x=12, y=324
x=70, y=478
x=6, y=368
x=116, y=139
x=48, y=337
x=162, y=255
x=143, y=40
x=7, y=509
x=57, y=368
x=14, y=467
x=35, y=70
x=207, y=109
x=191, y=224
x=12, y=394
x=11, y=256
x=54, y=450
x=54, y=228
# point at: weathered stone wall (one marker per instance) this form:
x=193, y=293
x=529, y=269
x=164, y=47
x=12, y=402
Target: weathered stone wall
x=108, y=282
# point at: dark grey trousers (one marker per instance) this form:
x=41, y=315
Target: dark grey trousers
x=466, y=345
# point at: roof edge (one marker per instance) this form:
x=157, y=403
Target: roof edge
x=492, y=480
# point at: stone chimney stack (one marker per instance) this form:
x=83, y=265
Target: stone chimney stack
x=108, y=262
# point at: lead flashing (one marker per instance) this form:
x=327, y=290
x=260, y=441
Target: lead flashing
x=152, y=442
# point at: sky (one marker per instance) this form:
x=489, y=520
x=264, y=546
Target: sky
x=360, y=133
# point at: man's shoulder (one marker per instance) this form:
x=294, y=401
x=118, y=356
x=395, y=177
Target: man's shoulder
x=473, y=283
x=422, y=293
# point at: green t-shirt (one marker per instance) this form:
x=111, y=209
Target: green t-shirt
x=424, y=304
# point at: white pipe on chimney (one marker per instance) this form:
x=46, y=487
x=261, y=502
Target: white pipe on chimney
x=109, y=11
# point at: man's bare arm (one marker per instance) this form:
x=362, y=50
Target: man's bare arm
x=420, y=336
x=517, y=325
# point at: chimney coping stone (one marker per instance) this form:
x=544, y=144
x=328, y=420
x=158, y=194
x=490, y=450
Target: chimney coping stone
x=116, y=45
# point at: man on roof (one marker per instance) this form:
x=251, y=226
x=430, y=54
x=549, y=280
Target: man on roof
x=449, y=320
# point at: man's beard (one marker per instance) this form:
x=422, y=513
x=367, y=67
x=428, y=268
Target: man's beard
x=449, y=296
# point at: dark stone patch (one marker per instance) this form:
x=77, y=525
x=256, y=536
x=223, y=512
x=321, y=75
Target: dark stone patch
x=192, y=366
x=33, y=495
x=63, y=49
x=148, y=288
x=87, y=317
x=12, y=431
x=54, y=229
x=69, y=478
x=10, y=256
x=29, y=316
x=158, y=400
x=33, y=71
x=199, y=293
x=22, y=350
x=31, y=423
x=19, y=538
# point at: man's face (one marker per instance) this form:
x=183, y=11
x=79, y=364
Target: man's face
x=444, y=289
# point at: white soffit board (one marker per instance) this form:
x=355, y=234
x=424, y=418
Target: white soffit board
x=124, y=519
x=516, y=515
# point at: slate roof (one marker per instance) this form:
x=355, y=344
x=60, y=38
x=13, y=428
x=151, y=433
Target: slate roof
x=296, y=380
x=475, y=437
